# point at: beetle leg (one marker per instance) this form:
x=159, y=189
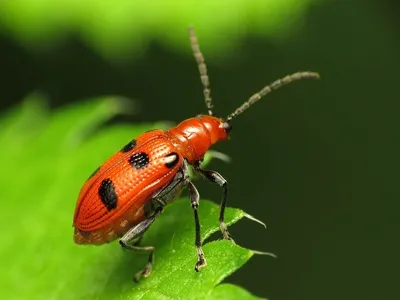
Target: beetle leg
x=132, y=238
x=194, y=199
x=217, y=178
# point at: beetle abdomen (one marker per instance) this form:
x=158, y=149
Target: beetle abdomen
x=113, y=200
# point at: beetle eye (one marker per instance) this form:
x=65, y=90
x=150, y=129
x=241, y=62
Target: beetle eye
x=227, y=127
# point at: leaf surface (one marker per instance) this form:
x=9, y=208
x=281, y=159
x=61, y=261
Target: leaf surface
x=45, y=158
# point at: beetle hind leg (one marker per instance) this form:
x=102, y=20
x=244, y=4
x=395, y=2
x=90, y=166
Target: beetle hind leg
x=131, y=240
x=146, y=271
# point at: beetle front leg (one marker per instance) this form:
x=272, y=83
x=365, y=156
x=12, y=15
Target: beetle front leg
x=194, y=199
x=130, y=241
x=217, y=178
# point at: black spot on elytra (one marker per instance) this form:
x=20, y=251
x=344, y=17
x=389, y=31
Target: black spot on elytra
x=128, y=147
x=139, y=160
x=173, y=159
x=94, y=173
x=107, y=194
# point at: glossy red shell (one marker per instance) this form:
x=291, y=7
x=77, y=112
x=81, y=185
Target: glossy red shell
x=193, y=137
x=94, y=223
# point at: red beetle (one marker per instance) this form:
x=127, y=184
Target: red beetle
x=127, y=193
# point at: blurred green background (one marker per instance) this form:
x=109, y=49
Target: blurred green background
x=317, y=161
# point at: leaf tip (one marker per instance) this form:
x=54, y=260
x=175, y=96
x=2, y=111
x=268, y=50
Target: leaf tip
x=250, y=217
x=264, y=253
x=219, y=155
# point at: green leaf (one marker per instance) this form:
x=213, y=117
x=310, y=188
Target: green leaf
x=127, y=26
x=45, y=158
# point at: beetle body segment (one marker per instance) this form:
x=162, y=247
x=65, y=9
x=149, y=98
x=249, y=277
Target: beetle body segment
x=114, y=198
x=194, y=136
x=134, y=184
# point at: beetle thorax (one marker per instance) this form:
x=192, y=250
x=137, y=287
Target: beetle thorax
x=193, y=137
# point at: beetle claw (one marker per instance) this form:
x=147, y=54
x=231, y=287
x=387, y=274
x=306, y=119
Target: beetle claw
x=225, y=232
x=143, y=273
x=200, y=264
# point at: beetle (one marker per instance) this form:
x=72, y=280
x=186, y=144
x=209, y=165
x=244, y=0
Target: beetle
x=124, y=196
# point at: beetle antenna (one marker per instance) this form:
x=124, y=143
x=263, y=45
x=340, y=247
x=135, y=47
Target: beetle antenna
x=202, y=69
x=269, y=88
